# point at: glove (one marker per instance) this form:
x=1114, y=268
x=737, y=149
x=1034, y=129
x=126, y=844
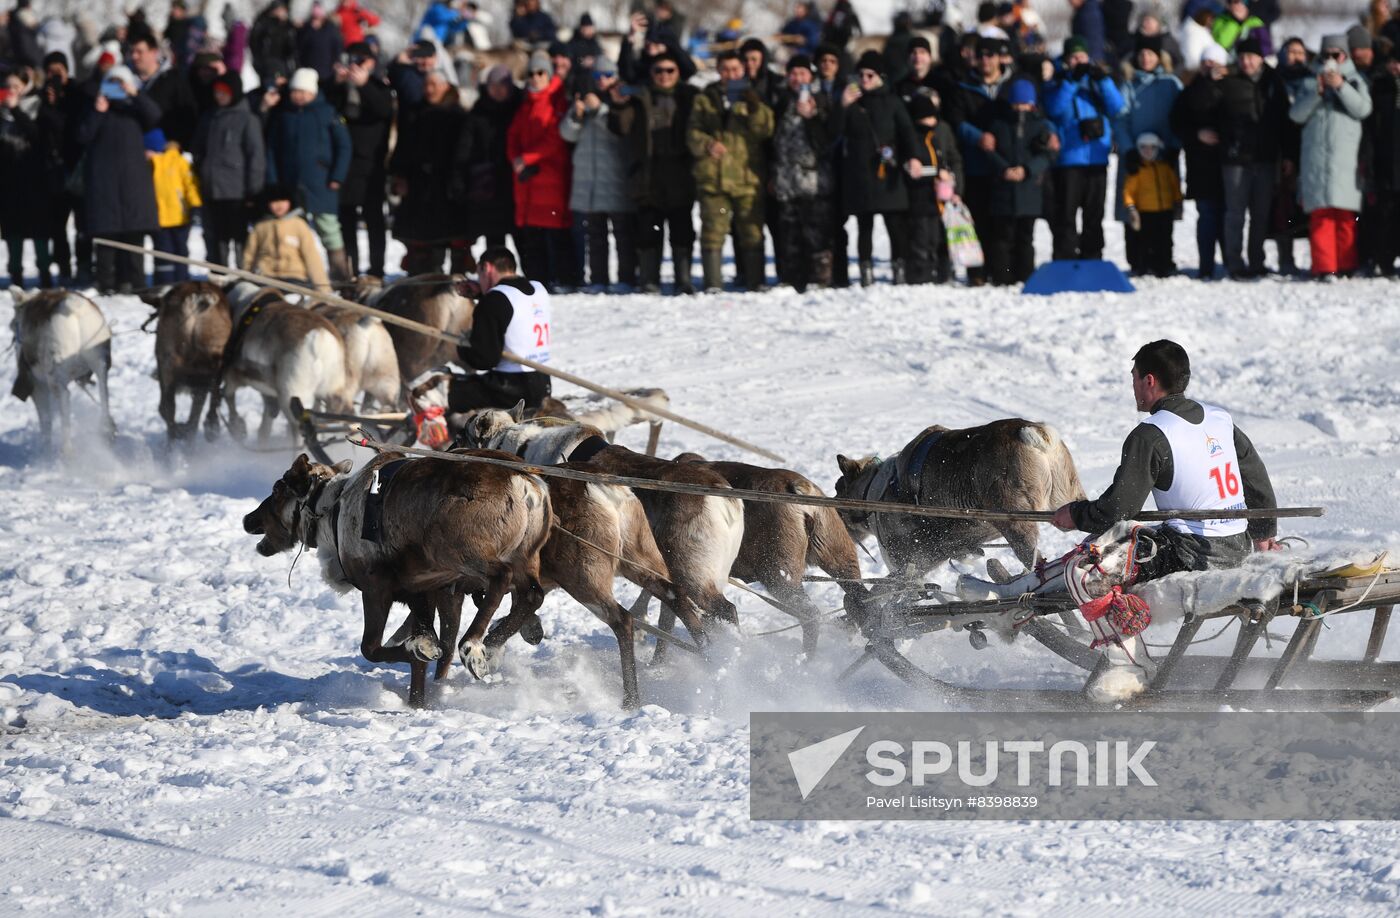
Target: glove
x=1135, y=219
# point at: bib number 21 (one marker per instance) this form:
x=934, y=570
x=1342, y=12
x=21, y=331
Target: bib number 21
x=1227, y=482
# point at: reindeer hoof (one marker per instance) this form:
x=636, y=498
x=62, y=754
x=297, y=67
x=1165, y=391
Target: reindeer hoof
x=532, y=632
x=424, y=647
x=478, y=660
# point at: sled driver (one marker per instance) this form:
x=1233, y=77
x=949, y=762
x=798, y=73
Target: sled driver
x=1189, y=456
x=512, y=315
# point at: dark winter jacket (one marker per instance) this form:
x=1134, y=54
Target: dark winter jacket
x=30, y=174
x=368, y=111
x=1201, y=107
x=1147, y=463
x=879, y=140
x=170, y=90
x=1385, y=132
x=119, y=193
x=319, y=49
x=802, y=149
x=535, y=28
x=841, y=25
x=1088, y=23
x=490, y=181
x=273, y=44
x=229, y=154
x=655, y=125
x=308, y=148
x=1023, y=139
x=936, y=149
x=1255, y=112
x=970, y=110
x=433, y=159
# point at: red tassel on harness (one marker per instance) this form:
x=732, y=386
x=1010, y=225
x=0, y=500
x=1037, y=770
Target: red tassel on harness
x=432, y=427
x=1127, y=614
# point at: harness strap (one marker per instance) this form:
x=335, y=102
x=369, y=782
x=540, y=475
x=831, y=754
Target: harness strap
x=589, y=448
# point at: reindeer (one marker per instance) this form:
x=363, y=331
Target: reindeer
x=443, y=301
x=371, y=361
x=698, y=536
x=284, y=352
x=448, y=528
x=781, y=540
x=1011, y=464
x=60, y=337
x=193, y=325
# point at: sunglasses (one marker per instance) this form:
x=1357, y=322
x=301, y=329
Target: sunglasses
x=659, y=70
x=1333, y=56
x=869, y=75
x=539, y=73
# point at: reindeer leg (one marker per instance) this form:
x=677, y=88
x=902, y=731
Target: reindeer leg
x=665, y=621
x=449, y=622
x=269, y=415
x=109, y=426
x=795, y=598
x=63, y=406
x=166, y=410
x=376, y=603
x=43, y=404
x=197, y=397
x=472, y=647
x=236, y=428
x=620, y=622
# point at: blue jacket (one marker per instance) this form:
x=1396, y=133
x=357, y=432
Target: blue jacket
x=1149, y=98
x=809, y=29
x=1069, y=101
x=444, y=21
x=307, y=148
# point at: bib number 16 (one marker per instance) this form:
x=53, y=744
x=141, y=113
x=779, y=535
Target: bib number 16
x=1227, y=482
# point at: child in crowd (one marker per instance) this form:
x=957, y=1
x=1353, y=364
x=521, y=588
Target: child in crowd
x=282, y=244
x=177, y=195
x=1151, y=195
x=940, y=181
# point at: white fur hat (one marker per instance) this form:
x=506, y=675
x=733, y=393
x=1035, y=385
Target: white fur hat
x=121, y=74
x=306, y=80
x=1214, y=54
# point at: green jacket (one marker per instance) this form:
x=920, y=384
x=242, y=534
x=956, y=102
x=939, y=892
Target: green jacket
x=1226, y=30
x=744, y=128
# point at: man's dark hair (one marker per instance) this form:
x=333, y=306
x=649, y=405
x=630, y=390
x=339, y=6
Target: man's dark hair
x=1167, y=361
x=145, y=37
x=728, y=54
x=500, y=258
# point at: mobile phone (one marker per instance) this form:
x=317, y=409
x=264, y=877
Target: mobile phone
x=113, y=89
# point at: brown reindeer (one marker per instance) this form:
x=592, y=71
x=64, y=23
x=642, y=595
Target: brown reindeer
x=440, y=300
x=193, y=324
x=1011, y=464
x=782, y=540
x=371, y=361
x=447, y=528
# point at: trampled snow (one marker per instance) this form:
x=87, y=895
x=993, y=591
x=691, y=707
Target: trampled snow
x=190, y=728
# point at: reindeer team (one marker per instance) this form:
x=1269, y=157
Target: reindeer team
x=448, y=529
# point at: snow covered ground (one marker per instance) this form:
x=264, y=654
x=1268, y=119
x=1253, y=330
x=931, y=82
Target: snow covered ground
x=189, y=727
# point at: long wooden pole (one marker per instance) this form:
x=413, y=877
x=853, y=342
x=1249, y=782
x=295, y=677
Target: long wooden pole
x=838, y=503
x=333, y=300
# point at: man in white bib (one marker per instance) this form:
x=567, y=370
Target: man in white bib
x=1188, y=456
x=513, y=315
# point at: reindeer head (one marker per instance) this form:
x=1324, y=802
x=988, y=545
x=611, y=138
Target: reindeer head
x=854, y=483
x=484, y=426
x=279, y=519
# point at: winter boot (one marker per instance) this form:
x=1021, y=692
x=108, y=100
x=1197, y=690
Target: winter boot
x=821, y=269
x=649, y=268
x=753, y=266
x=897, y=269
x=680, y=260
x=712, y=266
x=867, y=273
x=338, y=264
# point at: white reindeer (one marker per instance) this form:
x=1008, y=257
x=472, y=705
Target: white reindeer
x=60, y=337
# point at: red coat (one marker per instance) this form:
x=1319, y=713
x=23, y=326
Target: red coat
x=542, y=200
x=354, y=19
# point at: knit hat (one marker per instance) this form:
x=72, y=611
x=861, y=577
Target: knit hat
x=585, y=20
x=986, y=44
x=55, y=57
x=224, y=83
x=539, y=61
x=1250, y=45
x=1075, y=43
x=305, y=80
x=920, y=42
x=362, y=49
x=802, y=61
x=872, y=60
x=1149, y=139
x=1148, y=43
x=1358, y=37
x=423, y=48
x=121, y=74
x=1214, y=54
x=921, y=107
x=1022, y=93
x=603, y=66
x=154, y=140
x=753, y=44
x=558, y=49
x=1339, y=42
x=826, y=49
x=500, y=73
x=986, y=11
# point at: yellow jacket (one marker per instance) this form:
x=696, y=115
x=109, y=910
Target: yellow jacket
x=285, y=248
x=177, y=192
x=1152, y=189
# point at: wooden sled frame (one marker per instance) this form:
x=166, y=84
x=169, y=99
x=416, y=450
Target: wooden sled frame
x=1293, y=681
